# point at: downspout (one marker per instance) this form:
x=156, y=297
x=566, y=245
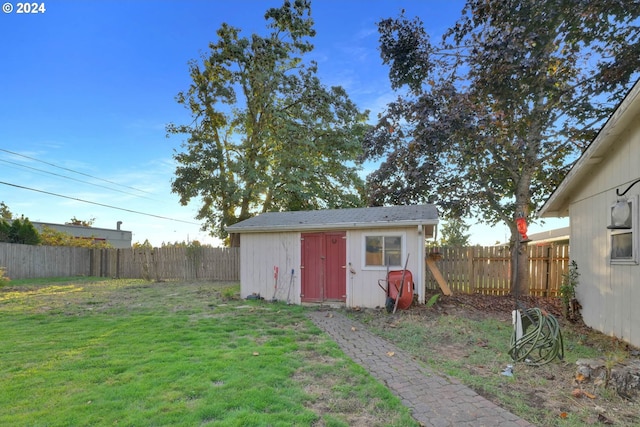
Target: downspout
x=419, y=280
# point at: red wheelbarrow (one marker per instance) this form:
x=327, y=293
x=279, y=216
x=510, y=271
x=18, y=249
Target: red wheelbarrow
x=399, y=290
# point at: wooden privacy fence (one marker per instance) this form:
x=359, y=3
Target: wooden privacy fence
x=27, y=261
x=170, y=263
x=30, y=262
x=466, y=269
x=486, y=270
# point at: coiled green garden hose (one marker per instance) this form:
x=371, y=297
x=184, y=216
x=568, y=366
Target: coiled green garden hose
x=541, y=341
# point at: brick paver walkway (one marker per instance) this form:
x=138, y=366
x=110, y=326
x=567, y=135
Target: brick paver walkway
x=434, y=400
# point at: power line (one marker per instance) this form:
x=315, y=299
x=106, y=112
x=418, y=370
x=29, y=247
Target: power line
x=74, y=171
x=74, y=179
x=95, y=203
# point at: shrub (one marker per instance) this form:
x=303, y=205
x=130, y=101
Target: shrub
x=5, y=228
x=19, y=231
x=51, y=237
x=4, y=280
x=568, y=291
x=230, y=293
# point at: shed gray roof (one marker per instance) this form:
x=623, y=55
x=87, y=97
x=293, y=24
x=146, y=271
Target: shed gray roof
x=376, y=217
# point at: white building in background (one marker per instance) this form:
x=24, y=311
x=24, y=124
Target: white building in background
x=118, y=238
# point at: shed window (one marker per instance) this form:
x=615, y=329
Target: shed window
x=624, y=245
x=383, y=250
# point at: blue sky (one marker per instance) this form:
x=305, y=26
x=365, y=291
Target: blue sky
x=87, y=88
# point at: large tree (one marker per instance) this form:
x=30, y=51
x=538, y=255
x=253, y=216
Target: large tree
x=5, y=213
x=266, y=135
x=454, y=232
x=490, y=118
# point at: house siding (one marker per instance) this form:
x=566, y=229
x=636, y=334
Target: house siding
x=608, y=292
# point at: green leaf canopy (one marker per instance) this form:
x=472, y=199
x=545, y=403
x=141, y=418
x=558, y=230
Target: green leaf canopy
x=493, y=116
x=266, y=134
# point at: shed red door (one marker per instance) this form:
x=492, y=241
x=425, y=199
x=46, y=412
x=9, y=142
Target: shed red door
x=324, y=266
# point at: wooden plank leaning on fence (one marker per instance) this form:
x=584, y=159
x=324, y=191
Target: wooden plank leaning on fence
x=431, y=263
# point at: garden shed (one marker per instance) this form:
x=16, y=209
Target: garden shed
x=333, y=256
x=600, y=196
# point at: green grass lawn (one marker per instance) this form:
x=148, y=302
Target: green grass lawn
x=80, y=352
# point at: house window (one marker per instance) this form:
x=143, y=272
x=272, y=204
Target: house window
x=383, y=250
x=624, y=244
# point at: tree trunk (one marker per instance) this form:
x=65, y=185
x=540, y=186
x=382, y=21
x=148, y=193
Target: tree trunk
x=519, y=250
x=234, y=240
x=519, y=267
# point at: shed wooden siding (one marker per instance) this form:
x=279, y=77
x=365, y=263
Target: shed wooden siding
x=609, y=292
x=362, y=288
x=259, y=253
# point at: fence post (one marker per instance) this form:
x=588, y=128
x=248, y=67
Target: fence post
x=548, y=270
x=103, y=256
x=471, y=272
x=91, y=258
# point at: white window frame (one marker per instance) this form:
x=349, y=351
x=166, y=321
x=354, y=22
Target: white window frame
x=633, y=231
x=403, y=249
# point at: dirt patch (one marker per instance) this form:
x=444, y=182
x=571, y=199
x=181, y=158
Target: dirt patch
x=478, y=306
x=451, y=335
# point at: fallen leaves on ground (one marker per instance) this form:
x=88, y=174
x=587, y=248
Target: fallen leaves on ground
x=579, y=393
